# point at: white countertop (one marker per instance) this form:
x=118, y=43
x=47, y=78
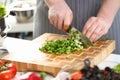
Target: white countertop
x=9, y=43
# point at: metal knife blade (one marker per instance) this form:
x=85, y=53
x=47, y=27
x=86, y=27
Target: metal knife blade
x=73, y=31
x=3, y=52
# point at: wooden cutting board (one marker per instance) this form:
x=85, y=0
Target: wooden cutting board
x=52, y=63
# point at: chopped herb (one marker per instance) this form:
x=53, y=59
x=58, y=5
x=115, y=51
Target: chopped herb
x=66, y=46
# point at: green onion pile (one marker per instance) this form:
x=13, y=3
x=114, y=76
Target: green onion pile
x=66, y=46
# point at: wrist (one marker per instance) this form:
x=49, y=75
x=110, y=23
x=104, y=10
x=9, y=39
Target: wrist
x=108, y=10
x=51, y=3
x=107, y=18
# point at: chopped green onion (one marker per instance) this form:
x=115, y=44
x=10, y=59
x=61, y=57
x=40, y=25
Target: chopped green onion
x=66, y=46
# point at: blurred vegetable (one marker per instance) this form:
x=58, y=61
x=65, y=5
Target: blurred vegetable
x=63, y=76
x=77, y=76
x=43, y=75
x=7, y=71
x=117, y=68
x=30, y=76
x=1, y=63
x=2, y=11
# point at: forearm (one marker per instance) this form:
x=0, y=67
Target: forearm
x=109, y=9
x=53, y=2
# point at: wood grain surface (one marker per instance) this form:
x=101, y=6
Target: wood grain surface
x=52, y=63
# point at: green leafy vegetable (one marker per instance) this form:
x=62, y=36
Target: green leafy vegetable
x=43, y=75
x=66, y=46
x=73, y=31
x=2, y=11
x=117, y=68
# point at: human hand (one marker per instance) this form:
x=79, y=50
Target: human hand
x=95, y=28
x=60, y=15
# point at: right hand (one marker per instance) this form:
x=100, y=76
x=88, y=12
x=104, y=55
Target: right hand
x=60, y=15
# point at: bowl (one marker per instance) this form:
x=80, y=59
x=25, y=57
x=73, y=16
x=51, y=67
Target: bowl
x=24, y=11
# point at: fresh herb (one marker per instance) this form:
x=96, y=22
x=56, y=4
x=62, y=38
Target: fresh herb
x=79, y=35
x=117, y=68
x=66, y=46
x=2, y=11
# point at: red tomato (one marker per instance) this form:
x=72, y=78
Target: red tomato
x=9, y=73
x=1, y=63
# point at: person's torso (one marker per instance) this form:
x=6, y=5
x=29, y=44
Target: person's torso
x=82, y=10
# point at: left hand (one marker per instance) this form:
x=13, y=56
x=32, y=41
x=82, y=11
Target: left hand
x=95, y=28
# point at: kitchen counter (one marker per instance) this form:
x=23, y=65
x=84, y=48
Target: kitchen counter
x=14, y=45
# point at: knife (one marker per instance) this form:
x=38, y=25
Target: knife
x=5, y=28
x=3, y=52
x=72, y=31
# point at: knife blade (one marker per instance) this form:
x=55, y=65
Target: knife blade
x=72, y=31
x=3, y=35
x=3, y=52
x=4, y=29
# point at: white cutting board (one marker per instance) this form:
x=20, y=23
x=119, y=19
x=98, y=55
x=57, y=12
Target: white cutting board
x=22, y=48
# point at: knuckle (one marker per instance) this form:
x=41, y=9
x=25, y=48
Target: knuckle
x=96, y=32
x=92, y=18
x=98, y=21
x=59, y=15
x=71, y=13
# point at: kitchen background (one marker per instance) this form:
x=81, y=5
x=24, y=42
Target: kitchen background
x=20, y=19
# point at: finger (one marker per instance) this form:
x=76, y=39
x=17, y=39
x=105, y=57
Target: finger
x=67, y=22
x=60, y=23
x=99, y=35
x=51, y=19
x=92, y=38
x=88, y=24
x=55, y=22
x=96, y=34
x=91, y=29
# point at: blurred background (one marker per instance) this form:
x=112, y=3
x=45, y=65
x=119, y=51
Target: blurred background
x=20, y=17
